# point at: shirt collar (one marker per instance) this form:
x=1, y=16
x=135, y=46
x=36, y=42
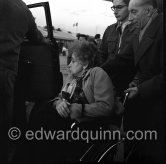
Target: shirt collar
x=121, y=26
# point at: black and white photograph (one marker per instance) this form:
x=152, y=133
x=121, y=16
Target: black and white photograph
x=82, y=81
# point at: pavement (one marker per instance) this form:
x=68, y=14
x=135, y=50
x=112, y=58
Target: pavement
x=63, y=66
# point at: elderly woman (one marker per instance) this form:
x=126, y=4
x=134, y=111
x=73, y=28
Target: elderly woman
x=88, y=94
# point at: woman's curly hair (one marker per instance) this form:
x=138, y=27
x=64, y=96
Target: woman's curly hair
x=84, y=51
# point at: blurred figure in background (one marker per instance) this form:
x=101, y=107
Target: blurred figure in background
x=82, y=37
x=64, y=51
x=98, y=40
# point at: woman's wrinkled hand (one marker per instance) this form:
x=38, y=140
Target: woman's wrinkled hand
x=75, y=111
x=62, y=108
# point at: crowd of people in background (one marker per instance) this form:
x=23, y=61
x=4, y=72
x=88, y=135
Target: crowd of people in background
x=127, y=59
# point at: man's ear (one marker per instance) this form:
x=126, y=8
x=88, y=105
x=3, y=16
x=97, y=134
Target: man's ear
x=149, y=11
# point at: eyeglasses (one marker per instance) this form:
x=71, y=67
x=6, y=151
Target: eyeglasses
x=118, y=8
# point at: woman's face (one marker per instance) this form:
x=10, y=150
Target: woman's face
x=75, y=66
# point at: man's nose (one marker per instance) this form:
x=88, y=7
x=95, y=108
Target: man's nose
x=115, y=11
x=130, y=18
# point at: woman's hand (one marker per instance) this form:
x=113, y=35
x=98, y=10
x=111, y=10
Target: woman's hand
x=62, y=108
x=75, y=110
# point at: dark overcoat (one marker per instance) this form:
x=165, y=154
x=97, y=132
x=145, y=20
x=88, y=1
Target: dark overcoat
x=146, y=110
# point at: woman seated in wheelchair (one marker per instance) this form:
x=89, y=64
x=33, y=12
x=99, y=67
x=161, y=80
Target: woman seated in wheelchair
x=87, y=97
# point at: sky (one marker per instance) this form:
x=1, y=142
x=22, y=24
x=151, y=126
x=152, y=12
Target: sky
x=92, y=16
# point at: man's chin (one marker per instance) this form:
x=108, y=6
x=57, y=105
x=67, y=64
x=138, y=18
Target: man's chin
x=119, y=19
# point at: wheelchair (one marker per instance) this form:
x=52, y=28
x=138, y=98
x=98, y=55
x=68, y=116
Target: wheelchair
x=99, y=150
x=107, y=150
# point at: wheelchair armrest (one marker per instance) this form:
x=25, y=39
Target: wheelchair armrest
x=93, y=123
x=74, y=124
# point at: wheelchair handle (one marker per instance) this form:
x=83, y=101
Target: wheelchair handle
x=125, y=98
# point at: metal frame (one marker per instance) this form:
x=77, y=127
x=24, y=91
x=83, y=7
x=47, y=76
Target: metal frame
x=47, y=14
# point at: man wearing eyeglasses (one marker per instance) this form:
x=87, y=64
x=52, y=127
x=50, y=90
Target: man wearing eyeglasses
x=118, y=65
x=110, y=41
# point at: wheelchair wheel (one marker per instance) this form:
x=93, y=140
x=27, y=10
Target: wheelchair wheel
x=101, y=152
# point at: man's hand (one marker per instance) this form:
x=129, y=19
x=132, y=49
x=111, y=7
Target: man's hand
x=132, y=92
x=134, y=83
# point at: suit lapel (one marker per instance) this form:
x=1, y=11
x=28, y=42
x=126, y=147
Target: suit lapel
x=142, y=47
x=133, y=30
x=135, y=43
x=147, y=39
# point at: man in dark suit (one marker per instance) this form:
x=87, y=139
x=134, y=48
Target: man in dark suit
x=145, y=106
x=16, y=22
